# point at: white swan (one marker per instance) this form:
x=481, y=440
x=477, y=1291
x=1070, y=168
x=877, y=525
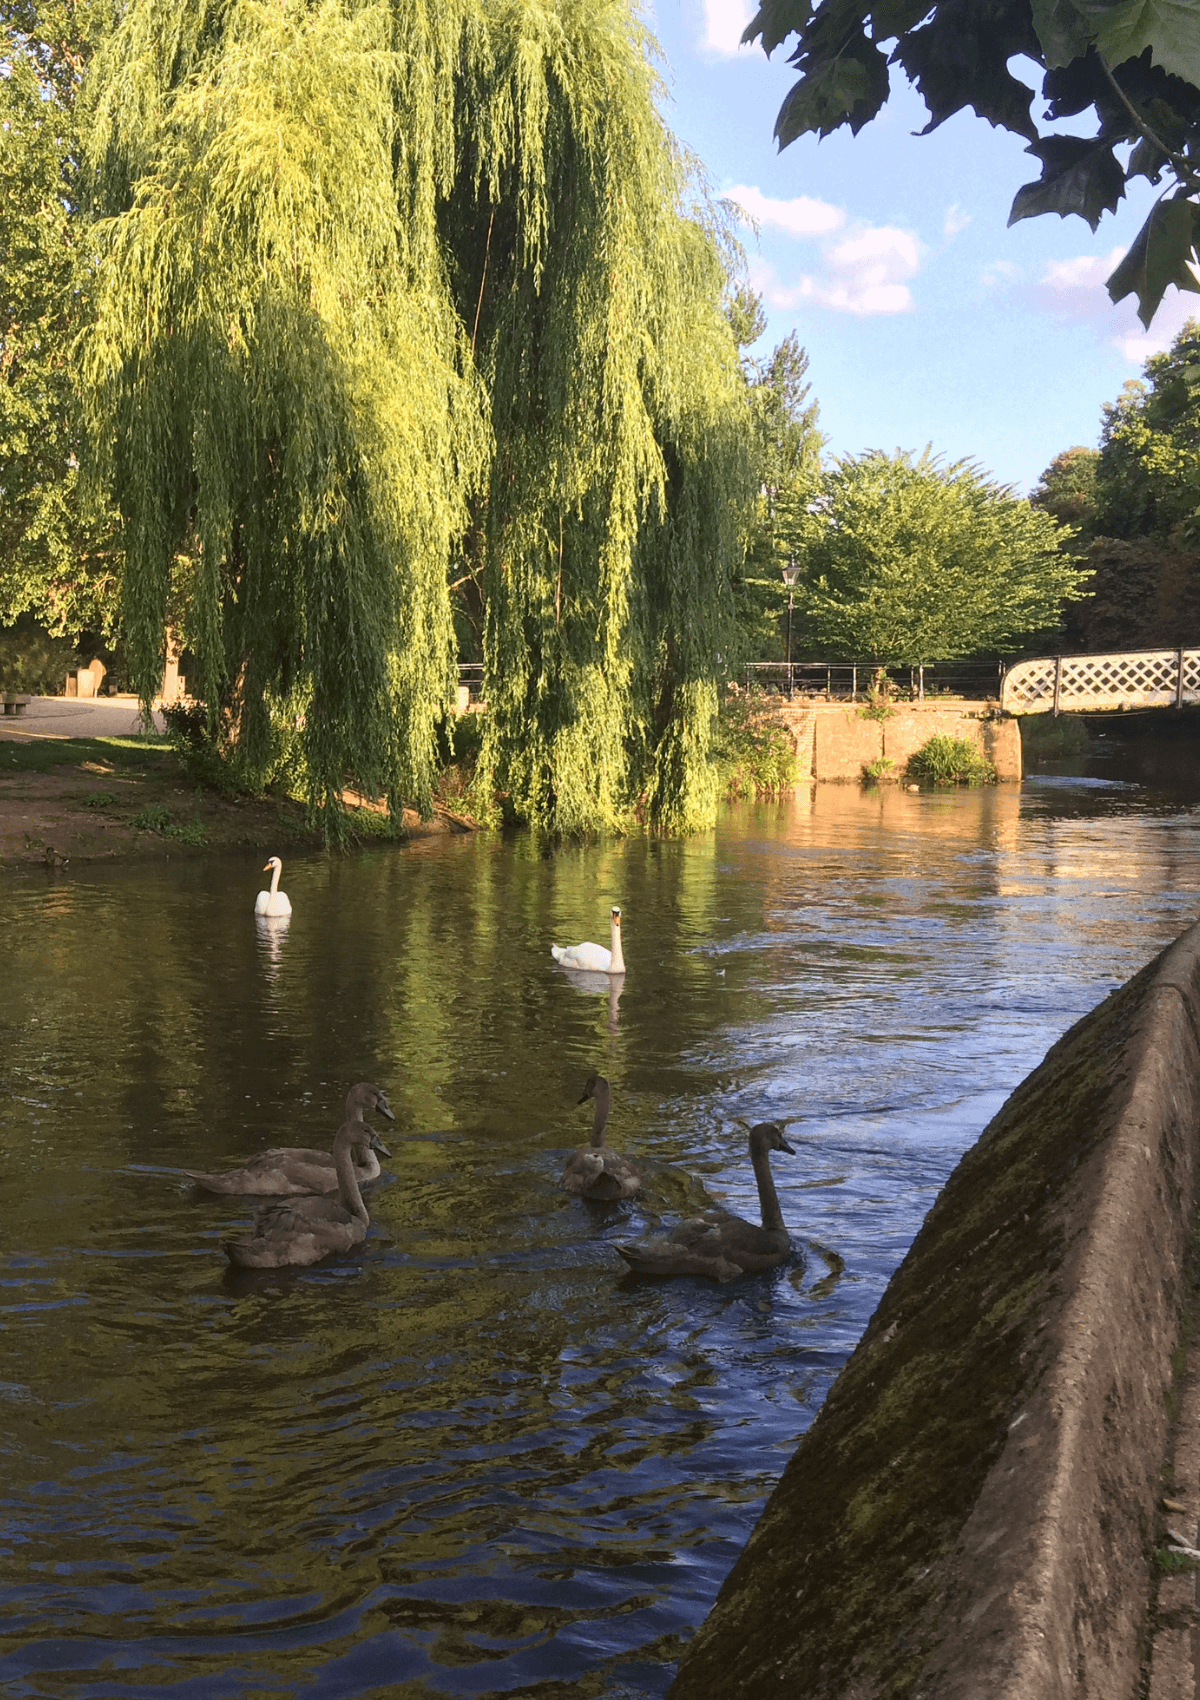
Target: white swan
x=594, y=957
x=273, y=902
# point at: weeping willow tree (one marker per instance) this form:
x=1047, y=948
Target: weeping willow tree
x=390, y=299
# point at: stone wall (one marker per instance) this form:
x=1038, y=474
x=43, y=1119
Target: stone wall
x=835, y=741
x=971, y=1516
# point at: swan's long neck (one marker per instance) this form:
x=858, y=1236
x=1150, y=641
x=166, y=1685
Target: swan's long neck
x=343, y=1162
x=600, y=1119
x=275, y=873
x=617, y=964
x=768, y=1198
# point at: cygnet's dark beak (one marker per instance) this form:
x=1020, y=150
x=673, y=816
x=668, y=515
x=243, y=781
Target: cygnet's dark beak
x=378, y=1145
x=784, y=1146
x=381, y=1104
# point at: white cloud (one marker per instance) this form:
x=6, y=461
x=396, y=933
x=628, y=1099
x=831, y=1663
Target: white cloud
x=998, y=274
x=863, y=269
x=864, y=275
x=1075, y=289
x=955, y=221
x=799, y=217
x=724, y=21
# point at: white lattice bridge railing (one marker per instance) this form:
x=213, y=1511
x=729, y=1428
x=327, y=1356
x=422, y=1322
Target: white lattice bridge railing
x=1084, y=684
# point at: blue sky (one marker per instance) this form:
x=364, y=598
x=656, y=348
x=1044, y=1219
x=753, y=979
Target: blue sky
x=925, y=319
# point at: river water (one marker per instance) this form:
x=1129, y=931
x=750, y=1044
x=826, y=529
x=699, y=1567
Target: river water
x=472, y=1458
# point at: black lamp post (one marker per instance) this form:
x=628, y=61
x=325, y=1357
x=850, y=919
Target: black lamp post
x=790, y=574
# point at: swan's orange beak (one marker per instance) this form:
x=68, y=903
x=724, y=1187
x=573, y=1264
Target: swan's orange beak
x=267, y=868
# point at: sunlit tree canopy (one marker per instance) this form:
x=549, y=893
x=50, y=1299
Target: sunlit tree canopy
x=393, y=305
x=919, y=561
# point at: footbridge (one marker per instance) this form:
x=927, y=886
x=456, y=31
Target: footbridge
x=1091, y=684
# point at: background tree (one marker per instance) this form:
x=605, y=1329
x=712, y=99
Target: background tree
x=1067, y=490
x=787, y=466
x=390, y=300
x=56, y=561
x=1148, y=471
x=1144, y=535
x=1136, y=66
x=917, y=562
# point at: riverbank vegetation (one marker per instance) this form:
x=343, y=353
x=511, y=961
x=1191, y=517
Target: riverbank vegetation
x=348, y=343
x=944, y=760
x=755, y=753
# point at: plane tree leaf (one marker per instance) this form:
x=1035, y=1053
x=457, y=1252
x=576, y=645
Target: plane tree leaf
x=775, y=20
x=1161, y=254
x=960, y=58
x=1134, y=63
x=847, y=89
x=1078, y=176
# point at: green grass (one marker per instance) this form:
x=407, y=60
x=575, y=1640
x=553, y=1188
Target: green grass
x=43, y=755
x=157, y=817
x=100, y=800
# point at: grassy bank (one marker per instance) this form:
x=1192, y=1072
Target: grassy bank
x=97, y=799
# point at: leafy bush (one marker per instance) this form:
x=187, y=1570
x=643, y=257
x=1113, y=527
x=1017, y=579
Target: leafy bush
x=191, y=737
x=874, y=771
x=187, y=723
x=459, y=741
x=32, y=662
x=950, y=761
x=100, y=800
x=754, y=752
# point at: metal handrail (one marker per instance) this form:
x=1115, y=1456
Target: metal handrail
x=850, y=680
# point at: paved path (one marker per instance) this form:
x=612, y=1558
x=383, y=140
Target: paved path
x=67, y=717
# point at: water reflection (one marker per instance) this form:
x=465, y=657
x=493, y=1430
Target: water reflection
x=608, y=986
x=470, y=1458
x=272, y=930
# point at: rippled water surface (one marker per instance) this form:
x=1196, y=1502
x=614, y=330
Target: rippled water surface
x=471, y=1458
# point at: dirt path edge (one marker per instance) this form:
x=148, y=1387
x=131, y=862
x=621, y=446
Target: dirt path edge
x=972, y=1514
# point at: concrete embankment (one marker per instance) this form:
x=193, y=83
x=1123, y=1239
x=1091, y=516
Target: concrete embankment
x=974, y=1511
x=837, y=740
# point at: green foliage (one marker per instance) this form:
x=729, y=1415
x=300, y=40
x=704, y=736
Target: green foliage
x=943, y=760
x=1136, y=65
x=100, y=800
x=403, y=312
x=1067, y=490
x=916, y=561
x=155, y=817
x=1172, y=1563
x=787, y=446
x=882, y=768
x=878, y=705
x=158, y=818
x=753, y=752
x=33, y=662
x=56, y=560
x=1148, y=474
